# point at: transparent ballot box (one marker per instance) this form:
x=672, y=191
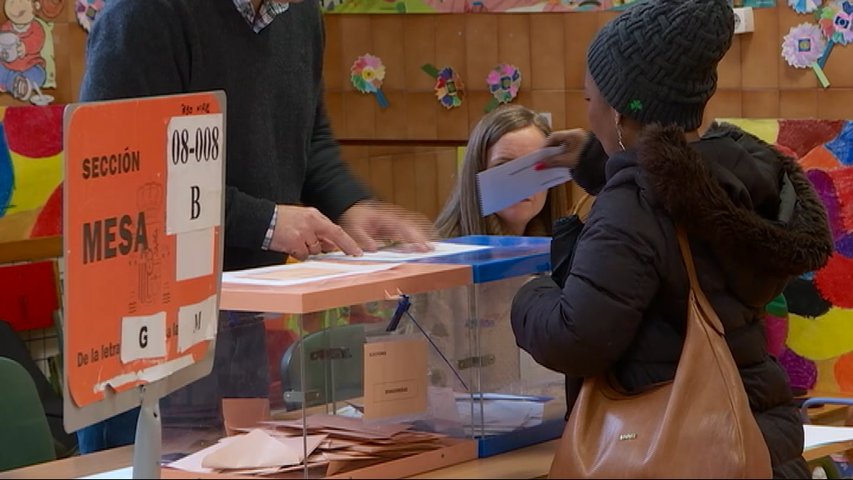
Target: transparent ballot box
x=514, y=402
x=318, y=372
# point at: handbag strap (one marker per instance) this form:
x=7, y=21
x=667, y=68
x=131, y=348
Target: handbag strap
x=710, y=316
x=585, y=198
x=581, y=205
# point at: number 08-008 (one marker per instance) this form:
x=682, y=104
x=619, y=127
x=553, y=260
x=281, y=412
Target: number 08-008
x=200, y=144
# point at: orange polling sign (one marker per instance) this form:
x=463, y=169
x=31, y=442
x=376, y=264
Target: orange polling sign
x=142, y=239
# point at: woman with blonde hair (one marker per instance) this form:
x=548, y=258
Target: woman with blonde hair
x=506, y=133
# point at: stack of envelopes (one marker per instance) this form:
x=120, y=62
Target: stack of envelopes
x=333, y=444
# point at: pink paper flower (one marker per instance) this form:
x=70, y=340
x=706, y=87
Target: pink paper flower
x=87, y=10
x=803, y=45
x=836, y=21
x=504, y=82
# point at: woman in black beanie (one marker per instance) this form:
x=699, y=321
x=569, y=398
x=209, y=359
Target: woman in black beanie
x=753, y=220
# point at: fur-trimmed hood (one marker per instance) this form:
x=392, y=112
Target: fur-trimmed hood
x=739, y=194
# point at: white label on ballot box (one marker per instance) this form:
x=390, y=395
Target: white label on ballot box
x=195, y=146
x=194, y=257
x=395, y=379
x=143, y=337
x=196, y=323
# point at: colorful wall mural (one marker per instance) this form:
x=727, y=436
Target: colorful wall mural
x=491, y=6
x=814, y=340
x=31, y=173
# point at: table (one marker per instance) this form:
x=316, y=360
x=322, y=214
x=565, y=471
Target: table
x=528, y=462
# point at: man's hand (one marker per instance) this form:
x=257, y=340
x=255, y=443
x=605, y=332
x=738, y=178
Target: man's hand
x=572, y=142
x=304, y=231
x=371, y=222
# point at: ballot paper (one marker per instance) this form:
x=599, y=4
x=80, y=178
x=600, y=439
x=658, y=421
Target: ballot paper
x=403, y=253
x=817, y=435
x=121, y=473
x=300, y=273
x=255, y=451
x=335, y=443
x=258, y=449
x=501, y=416
x=512, y=182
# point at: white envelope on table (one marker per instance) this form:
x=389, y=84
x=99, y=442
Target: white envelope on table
x=512, y=182
x=258, y=449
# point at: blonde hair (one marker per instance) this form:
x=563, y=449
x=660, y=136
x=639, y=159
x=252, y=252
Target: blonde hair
x=461, y=214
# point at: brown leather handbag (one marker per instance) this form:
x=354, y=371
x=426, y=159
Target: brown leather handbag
x=697, y=426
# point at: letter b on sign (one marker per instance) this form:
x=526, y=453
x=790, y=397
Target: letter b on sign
x=195, y=205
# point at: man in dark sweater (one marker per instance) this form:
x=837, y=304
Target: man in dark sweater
x=287, y=187
x=268, y=59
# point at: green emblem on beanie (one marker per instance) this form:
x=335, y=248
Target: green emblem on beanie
x=635, y=106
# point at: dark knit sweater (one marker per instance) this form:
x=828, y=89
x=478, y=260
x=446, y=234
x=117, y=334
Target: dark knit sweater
x=280, y=148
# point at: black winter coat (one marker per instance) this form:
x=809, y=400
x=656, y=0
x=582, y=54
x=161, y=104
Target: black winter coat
x=753, y=220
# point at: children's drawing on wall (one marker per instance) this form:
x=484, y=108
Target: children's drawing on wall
x=26, y=49
x=31, y=172
x=809, y=331
x=491, y=6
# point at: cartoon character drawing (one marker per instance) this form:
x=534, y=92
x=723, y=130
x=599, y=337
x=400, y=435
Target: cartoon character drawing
x=26, y=49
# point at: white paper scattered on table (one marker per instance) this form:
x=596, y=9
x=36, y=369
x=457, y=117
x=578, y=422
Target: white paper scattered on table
x=194, y=256
x=501, y=416
x=192, y=463
x=512, y=182
x=258, y=449
x=398, y=254
x=255, y=450
x=817, y=435
x=121, y=473
x=301, y=273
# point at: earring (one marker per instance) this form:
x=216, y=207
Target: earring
x=619, y=133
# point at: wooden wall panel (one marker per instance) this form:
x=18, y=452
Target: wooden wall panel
x=548, y=62
x=415, y=177
x=550, y=50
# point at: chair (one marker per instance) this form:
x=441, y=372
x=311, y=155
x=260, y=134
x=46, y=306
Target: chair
x=334, y=367
x=25, y=437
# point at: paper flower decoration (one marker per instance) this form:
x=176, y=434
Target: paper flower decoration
x=803, y=45
x=367, y=74
x=504, y=82
x=448, y=85
x=804, y=6
x=836, y=21
x=448, y=88
x=87, y=10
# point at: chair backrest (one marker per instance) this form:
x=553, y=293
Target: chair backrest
x=25, y=437
x=333, y=368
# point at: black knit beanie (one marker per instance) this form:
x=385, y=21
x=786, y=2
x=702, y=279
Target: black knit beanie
x=657, y=61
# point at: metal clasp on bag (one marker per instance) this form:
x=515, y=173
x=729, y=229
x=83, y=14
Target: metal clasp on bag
x=627, y=436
